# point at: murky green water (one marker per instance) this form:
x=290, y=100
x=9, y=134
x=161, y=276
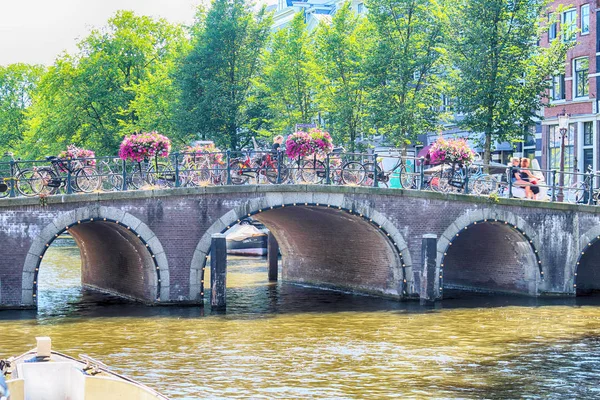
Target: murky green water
x=285, y=341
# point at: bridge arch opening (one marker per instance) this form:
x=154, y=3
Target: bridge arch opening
x=490, y=256
x=120, y=257
x=326, y=245
x=587, y=269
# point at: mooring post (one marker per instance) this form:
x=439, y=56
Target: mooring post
x=218, y=271
x=428, y=278
x=272, y=257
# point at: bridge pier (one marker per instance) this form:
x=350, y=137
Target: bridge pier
x=428, y=293
x=218, y=271
x=273, y=257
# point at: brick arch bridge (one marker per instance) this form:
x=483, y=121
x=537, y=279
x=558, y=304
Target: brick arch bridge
x=152, y=245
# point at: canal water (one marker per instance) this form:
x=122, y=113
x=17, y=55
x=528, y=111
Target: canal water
x=286, y=341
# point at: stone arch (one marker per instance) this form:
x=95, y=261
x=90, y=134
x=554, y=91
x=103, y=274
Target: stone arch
x=272, y=201
x=511, y=225
x=124, y=225
x=588, y=251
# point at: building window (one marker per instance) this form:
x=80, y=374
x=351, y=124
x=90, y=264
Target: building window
x=553, y=29
x=588, y=133
x=558, y=87
x=580, y=72
x=585, y=19
x=569, y=25
x=360, y=8
x=554, y=147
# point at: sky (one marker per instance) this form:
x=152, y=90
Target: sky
x=37, y=31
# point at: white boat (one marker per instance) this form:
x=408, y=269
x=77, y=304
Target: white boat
x=247, y=240
x=43, y=374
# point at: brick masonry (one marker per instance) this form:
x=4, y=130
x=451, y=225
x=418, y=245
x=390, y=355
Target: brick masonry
x=153, y=245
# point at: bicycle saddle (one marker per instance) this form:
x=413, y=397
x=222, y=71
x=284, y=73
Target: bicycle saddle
x=50, y=158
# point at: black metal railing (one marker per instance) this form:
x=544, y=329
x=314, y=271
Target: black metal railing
x=392, y=169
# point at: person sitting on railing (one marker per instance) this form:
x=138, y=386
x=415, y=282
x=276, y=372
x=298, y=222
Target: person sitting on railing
x=276, y=147
x=531, y=189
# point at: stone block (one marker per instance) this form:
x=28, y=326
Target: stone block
x=31, y=262
x=195, y=291
x=145, y=232
x=155, y=245
x=336, y=199
x=320, y=198
x=27, y=297
x=111, y=213
x=230, y=218
x=165, y=294
x=274, y=199
x=38, y=246
x=28, y=278
x=442, y=244
x=195, y=276
x=165, y=278
x=161, y=261
x=64, y=220
x=198, y=260
x=131, y=221
x=84, y=213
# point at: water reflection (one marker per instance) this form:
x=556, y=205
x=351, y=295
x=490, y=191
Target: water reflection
x=286, y=341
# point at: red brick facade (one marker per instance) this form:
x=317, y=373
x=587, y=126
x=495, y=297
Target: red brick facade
x=582, y=109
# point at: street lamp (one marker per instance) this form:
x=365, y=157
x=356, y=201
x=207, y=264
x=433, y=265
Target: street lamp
x=563, y=128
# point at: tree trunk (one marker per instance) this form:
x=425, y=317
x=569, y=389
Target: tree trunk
x=487, y=152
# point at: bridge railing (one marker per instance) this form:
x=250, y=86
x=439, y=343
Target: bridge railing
x=392, y=169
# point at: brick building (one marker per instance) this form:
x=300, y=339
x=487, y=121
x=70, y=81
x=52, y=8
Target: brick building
x=576, y=91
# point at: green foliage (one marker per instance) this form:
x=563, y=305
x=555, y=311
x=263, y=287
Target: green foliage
x=17, y=84
x=215, y=80
x=287, y=81
x=405, y=66
x=97, y=96
x=501, y=74
x=341, y=49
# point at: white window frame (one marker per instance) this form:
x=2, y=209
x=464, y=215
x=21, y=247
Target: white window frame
x=569, y=31
x=575, y=81
x=581, y=31
x=580, y=139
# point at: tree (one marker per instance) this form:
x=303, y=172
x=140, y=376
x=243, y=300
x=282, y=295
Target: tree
x=341, y=49
x=216, y=77
x=17, y=84
x=405, y=66
x=95, y=97
x=288, y=79
x=501, y=72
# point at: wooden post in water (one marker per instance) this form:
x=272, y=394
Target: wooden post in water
x=218, y=271
x=428, y=277
x=272, y=257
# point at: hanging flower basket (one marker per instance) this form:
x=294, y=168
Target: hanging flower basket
x=451, y=151
x=197, y=153
x=298, y=145
x=142, y=146
x=76, y=153
x=321, y=141
x=302, y=144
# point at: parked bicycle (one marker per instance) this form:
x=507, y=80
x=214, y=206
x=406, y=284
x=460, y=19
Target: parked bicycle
x=344, y=169
x=579, y=192
x=400, y=169
x=452, y=178
x=267, y=165
x=83, y=176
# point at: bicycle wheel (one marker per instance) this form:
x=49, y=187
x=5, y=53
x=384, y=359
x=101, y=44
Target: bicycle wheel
x=484, y=185
x=238, y=176
x=44, y=177
x=312, y=171
x=382, y=179
x=272, y=170
x=28, y=182
x=407, y=178
x=87, y=180
x=353, y=173
x=573, y=193
x=161, y=174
